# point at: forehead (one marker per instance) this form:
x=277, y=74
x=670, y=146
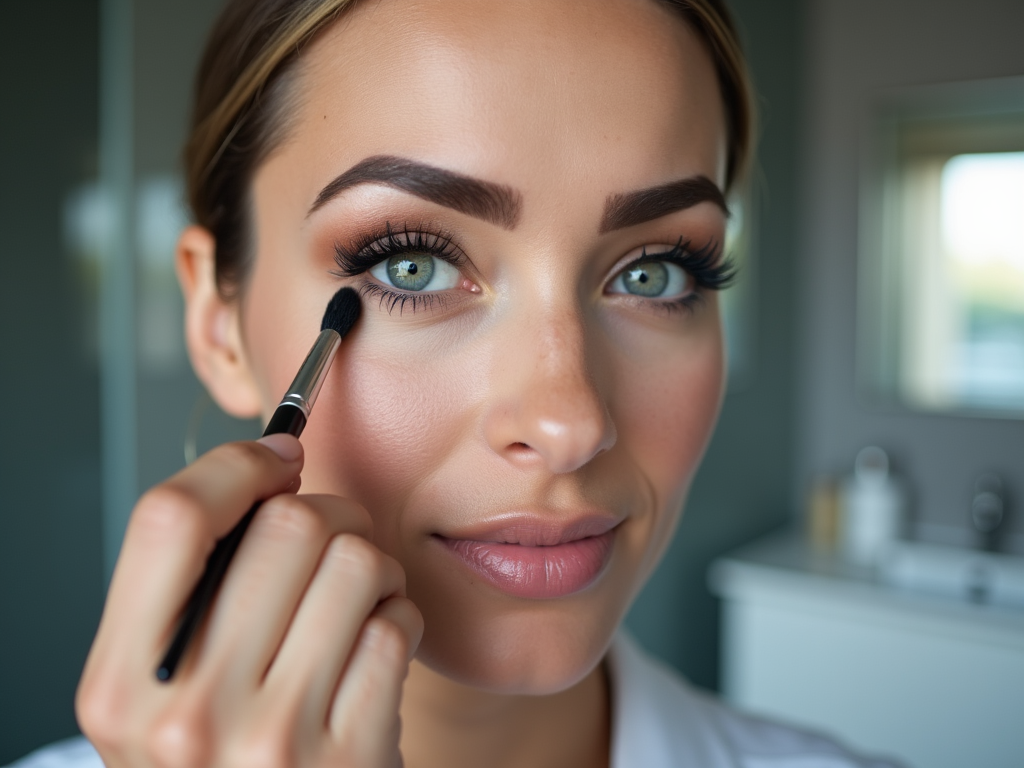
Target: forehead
x=611, y=94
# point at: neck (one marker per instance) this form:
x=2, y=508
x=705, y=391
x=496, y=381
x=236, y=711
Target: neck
x=451, y=725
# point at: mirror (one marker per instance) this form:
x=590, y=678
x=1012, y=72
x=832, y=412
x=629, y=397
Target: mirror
x=941, y=294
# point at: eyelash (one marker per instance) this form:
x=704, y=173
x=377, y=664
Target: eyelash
x=376, y=246
x=709, y=271
x=704, y=265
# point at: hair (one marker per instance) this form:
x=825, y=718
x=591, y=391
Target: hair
x=242, y=94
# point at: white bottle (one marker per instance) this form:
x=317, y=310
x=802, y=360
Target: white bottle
x=873, y=508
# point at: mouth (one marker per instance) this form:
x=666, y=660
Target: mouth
x=536, y=559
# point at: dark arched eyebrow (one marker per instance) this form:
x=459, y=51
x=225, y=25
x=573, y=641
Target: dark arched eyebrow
x=485, y=200
x=627, y=209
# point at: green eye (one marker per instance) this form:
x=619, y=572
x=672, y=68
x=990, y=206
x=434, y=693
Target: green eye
x=649, y=278
x=411, y=271
x=652, y=278
x=417, y=272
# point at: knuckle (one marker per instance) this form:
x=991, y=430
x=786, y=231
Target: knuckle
x=100, y=708
x=170, y=508
x=180, y=738
x=355, y=554
x=387, y=641
x=287, y=515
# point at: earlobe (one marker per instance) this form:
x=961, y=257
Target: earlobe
x=213, y=327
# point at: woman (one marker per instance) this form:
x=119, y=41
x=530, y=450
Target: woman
x=530, y=198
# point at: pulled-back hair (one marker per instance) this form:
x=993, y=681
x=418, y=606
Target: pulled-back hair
x=242, y=94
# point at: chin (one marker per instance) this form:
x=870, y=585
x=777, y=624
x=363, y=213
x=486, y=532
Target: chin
x=510, y=646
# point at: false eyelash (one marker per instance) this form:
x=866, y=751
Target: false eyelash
x=709, y=271
x=374, y=247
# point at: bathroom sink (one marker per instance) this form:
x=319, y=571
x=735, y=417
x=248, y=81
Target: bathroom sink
x=980, y=577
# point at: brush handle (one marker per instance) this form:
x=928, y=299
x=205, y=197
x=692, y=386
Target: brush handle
x=287, y=419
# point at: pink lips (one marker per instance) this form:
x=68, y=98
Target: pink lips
x=537, y=559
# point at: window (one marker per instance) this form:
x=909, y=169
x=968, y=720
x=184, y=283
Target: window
x=942, y=251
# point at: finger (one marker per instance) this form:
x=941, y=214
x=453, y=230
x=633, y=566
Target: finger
x=364, y=713
x=172, y=531
x=270, y=572
x=229, y=479
x=352, y=578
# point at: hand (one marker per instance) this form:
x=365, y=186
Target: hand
x=302, y=658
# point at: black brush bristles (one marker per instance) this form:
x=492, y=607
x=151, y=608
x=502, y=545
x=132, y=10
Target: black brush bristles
x=342, y=312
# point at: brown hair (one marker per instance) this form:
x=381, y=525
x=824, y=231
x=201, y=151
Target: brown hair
x=242, y=93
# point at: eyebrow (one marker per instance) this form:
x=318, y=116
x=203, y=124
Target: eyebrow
x=630, y=208
x=496, y=203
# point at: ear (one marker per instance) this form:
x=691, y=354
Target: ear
x=213, y=327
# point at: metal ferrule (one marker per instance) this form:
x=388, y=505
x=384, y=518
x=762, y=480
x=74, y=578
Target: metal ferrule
x=303, y=391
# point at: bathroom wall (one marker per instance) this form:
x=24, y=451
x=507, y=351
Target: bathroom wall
x=51, y=581
x=167, y=40
x=856, y=50
x=54, y=553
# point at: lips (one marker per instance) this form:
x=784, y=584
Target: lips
x=536, y=559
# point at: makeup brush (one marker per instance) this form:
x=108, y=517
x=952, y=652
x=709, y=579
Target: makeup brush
x=290, y=417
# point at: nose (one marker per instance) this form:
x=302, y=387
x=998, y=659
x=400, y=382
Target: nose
x=547, y=408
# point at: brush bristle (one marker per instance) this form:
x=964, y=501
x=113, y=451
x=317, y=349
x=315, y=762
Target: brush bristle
x=342, y=312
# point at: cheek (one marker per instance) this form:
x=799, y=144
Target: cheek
x=665, y=416
x=387, y=418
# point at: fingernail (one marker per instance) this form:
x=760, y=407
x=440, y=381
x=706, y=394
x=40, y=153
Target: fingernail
x=286, y=447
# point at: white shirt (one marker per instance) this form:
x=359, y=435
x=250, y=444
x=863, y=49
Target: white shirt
x=658, y=721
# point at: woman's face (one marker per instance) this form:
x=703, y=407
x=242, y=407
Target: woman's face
x=521, y=407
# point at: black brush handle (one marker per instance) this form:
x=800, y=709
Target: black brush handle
x=287, y=419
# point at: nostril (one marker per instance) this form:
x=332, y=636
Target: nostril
x=519, y=451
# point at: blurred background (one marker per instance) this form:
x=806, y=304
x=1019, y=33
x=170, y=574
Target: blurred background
x=851, y=555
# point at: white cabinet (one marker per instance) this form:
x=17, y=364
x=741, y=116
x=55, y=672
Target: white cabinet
x=935, y=682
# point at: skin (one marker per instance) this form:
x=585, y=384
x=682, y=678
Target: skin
x=530, y=388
